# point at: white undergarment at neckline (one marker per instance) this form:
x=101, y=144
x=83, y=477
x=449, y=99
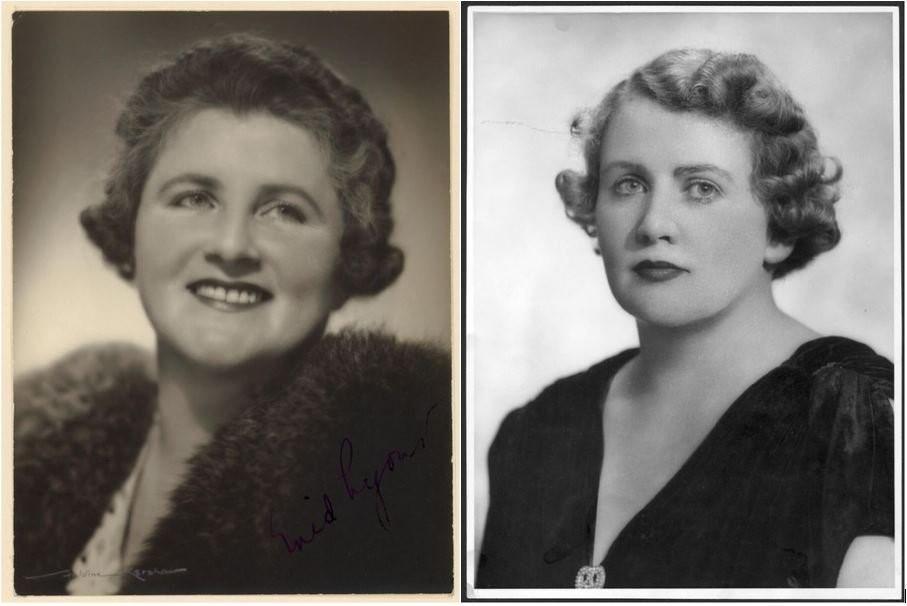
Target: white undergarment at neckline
x=99, y=569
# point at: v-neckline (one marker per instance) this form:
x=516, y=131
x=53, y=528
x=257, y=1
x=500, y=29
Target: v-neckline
x=728, y=419
x=139, y=471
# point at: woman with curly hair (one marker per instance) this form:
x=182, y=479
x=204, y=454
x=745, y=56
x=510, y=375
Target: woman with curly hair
x=735, y=447
x=255, y=453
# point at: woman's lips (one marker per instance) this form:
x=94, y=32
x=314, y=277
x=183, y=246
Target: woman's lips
x=657, y=271
x=229, y=296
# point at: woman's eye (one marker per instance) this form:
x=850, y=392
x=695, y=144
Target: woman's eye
x=703, y=191
x=193, y=201
x=629, y=186
x=285, y=212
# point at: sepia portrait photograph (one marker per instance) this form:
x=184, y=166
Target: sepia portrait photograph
x=683, y=302
x=231, y=301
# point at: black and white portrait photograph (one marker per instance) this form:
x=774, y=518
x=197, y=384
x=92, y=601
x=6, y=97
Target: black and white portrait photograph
x=231, y=301
x=683, y=299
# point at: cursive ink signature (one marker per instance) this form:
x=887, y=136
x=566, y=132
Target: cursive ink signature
x=141, y=574
x=294, y=545
x=371, y=482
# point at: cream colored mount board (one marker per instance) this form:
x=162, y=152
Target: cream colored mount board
x=72, y=66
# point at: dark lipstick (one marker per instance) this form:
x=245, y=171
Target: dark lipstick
x=657, y=271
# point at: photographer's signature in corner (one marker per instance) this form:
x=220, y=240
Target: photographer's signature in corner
x=142, y=574
x=371, y=482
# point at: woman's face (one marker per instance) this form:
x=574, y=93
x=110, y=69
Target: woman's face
x=682, y=237
x=237, y=239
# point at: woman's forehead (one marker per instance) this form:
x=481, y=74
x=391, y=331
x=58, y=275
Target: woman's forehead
x=642, y=131
x=242, y=154
x=219, y=136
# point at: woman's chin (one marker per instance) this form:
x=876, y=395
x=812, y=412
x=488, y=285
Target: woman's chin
x=668, y=316
x=217, y=349
x=223, y=359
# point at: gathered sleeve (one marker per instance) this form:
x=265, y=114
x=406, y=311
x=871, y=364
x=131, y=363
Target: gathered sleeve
x=854, y=462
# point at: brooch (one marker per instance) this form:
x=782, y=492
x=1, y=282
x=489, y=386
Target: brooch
x=590, y=577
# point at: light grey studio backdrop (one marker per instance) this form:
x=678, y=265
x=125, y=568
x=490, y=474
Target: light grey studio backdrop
x=541, y=305
x=71, y=73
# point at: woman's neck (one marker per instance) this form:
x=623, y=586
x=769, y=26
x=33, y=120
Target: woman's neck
x=744, y=342
x=195, y=401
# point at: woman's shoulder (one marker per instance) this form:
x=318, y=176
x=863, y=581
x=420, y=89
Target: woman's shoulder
x=831, y=354
x=47, y=397
x=849, y=439
x=392, y=372
x=363, y=429
x=842, y=371
x=849, y=424
x=361, y=351
x=568, y=401
x=354, y=382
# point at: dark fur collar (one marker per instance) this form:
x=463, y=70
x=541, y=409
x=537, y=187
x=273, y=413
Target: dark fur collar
x=282, y=500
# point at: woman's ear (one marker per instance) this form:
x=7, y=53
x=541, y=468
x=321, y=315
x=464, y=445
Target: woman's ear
x=776, y=252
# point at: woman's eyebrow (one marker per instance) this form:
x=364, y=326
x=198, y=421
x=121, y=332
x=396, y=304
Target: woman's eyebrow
x=280, y=188
x=624, y=165
x=683, y=171
x=191, y=178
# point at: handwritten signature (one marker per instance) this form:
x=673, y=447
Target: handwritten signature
x=353, y=489
x=141, y=574
x=294, y=545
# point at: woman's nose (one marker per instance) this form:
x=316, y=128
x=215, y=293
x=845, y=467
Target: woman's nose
x=657, y=221
x=232, y=244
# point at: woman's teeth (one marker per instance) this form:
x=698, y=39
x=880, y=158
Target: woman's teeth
x=228, y=295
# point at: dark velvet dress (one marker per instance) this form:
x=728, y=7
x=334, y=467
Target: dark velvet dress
x=796, y=468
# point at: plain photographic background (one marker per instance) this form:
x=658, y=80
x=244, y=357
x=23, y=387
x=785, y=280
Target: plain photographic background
x=72, y=71
x=538, y=302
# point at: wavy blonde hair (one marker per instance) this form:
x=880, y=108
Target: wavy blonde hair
x=790, y=176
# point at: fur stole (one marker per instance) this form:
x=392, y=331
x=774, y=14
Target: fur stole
x=340, y=481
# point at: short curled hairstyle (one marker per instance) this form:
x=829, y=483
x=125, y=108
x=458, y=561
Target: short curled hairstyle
x=789, y=174
x=245, y=73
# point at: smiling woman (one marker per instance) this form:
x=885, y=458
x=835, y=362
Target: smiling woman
x=249, y=201
x=735, y=447
x=253, y=227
